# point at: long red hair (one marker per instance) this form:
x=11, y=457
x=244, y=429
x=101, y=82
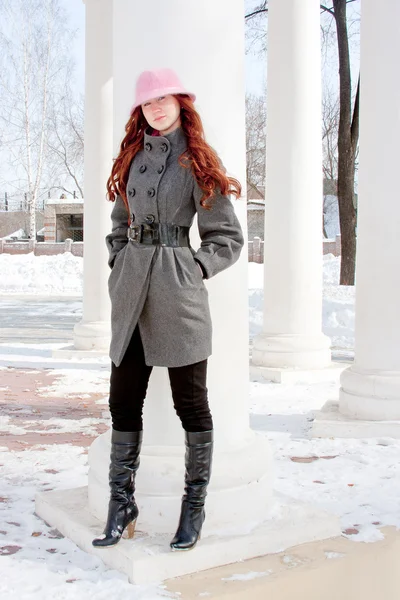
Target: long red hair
x=199, y=156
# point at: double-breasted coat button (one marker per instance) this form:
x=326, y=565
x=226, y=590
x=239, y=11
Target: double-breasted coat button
x=148, y=147
x=132, y=217
x=132, y=192
x=142, y=168
x=160, y=169
x=151, y=192
x=164, y=147
x=150, y=219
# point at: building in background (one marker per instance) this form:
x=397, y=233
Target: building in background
x=255, y=211
x=63, y=219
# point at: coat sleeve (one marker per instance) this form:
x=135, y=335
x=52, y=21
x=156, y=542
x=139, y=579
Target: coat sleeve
x=220, y=232
x=117, y=239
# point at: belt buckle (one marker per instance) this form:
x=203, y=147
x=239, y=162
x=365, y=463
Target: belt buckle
x=136, y=233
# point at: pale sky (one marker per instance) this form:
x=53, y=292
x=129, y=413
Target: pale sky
x=76, y=13
x=255, y=68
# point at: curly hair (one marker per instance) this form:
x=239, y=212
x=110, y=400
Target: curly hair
x=199, y=156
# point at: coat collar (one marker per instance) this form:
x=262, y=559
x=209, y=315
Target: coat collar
x=176, y=142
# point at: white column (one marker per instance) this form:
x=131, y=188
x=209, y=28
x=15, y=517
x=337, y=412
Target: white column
x=241, y=484
x=93, y=331
x=291, y=335
x=371, y=387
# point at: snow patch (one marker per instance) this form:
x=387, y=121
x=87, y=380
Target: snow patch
x=46, y=275
x=247, y=576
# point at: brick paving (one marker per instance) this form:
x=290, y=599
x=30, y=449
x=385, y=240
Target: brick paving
x=23, y=400
x=28, y=409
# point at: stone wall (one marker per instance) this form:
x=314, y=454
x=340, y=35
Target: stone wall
x=41, y=248
x=12, y=221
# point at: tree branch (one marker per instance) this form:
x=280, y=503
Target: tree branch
x=326, y=9
x=330, y=10
x=256, y=12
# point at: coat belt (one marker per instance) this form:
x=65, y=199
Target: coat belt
x=159, y=234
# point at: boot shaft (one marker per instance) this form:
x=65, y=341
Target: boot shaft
x=124, y=463
x=198, y=462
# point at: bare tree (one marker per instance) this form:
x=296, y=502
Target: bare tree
x=330, y=130
x=33, y=45
x=65, y=144
x=255, y=140
x=347, y=148
x=348, y=125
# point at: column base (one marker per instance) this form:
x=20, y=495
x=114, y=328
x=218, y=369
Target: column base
x=331, y=372
x=92, y=335
x=291, y=351
x=239, y=494
x=373, y=395
x=148, y=558
x=330, y=422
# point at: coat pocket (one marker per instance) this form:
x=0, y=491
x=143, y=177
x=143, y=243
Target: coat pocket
x=114, y=276
x=119, y=254
x=199, y=272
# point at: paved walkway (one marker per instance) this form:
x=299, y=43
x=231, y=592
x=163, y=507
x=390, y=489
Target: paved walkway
x=25, y=319
x=29, y=417
x=28, y=327
x=27, y=412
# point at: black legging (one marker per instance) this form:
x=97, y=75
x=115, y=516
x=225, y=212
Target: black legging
x=128, y=386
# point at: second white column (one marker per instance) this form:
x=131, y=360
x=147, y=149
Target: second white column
x=93, y=331
x=371, y=386
x=292, y=335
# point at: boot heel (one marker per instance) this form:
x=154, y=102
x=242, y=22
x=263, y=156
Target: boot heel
x=130, y=530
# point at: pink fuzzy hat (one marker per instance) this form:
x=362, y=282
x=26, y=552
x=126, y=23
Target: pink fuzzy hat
x=152, y=84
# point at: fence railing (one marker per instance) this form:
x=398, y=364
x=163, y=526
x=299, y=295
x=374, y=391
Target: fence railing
x=255, y=248
x=19, y=203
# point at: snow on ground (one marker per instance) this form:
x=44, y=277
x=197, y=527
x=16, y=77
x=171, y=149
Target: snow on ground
x=358, y=480
x=62, y=275
x=247, y=576
x=29, y=355
x=75, y=381
x=19, y=234
x=30, y=274
x=36, y=563
x=337, y=304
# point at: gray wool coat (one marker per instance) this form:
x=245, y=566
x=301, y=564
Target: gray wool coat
x=161, y=289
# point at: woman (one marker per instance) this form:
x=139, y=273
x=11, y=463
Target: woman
x=164, y=174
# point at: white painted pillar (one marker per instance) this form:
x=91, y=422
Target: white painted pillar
x=291, y=335
x=93, y=331
x=241, y=484
x=371, y=386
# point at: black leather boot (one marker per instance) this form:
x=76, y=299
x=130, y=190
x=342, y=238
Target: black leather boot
x=122, y=508
x=198, y=458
